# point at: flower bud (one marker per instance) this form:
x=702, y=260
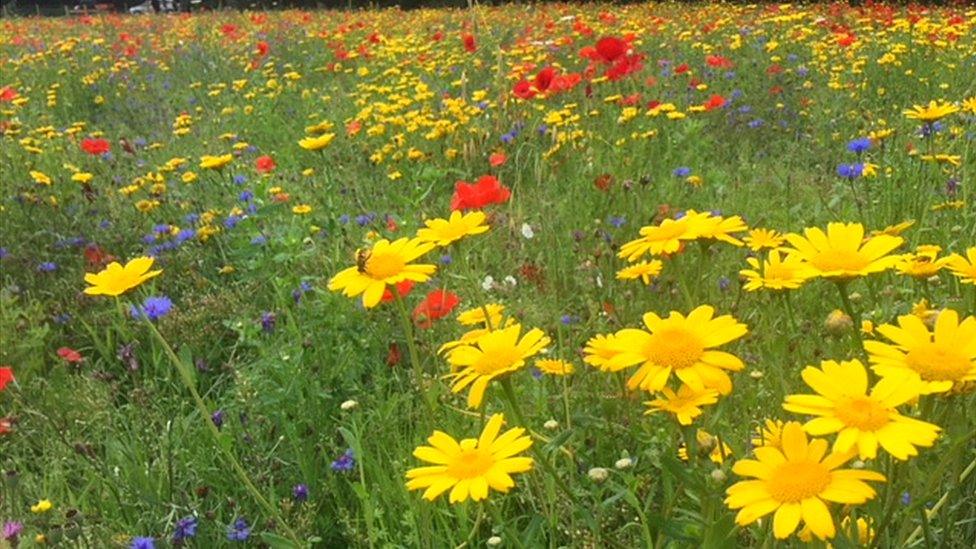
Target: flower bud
x=598, y=474
x=838, y=322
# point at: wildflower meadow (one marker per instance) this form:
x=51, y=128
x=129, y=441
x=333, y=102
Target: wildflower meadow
x=530, y=275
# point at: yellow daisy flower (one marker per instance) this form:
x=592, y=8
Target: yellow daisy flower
x=796, y=482
x=710, y=445
x=115, y=279
x=680, y=345
x=208, y=162
x=924, y=263
x=685, y=405
x=761, y=239
x=859, y=417
x=940, y=358
x=477, y=315
x=930, y=113
x=443, y=232
x=493, y=355
x=770, y=434
x=778, y=272
x=471, y=467
x=645, y=271
x=600, y=351
x=387, y=263
x=840, y=253
x=554, y=367
x=719, y=228
x=664, y=239
x=316, y=143
x=964, y=267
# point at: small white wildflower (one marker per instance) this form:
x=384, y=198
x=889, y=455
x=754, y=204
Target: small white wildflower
x=527, y=231
x=488, y=283
x=718, y=475
x=494, y=541
x=348, y=405
x=552, y=425
x=624, y=463
x=598, y=474
x=510, y=280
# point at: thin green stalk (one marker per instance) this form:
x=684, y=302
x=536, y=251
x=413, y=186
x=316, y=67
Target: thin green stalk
x=855, y=318
x=407, y=327
x=942, y=501
x=204, y=411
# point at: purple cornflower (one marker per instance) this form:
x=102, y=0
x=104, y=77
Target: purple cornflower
x=217, y=418
x=906, y=498
x=850, y=171
x=11, y=530
x=345, y=462
x=724, y=283
x=143, y=543
x=259, y=240
x=446, y=259
x=567, y=320
x=153, y=308
x=268, y=322
x=300, y=492
x=859, y=145
x=239, y=179
x=246, y=195
x=47, y=267
x=757, y=123
x=186, y=527
x=184, y=235
x=681, y=172
x=239, y=531
x=617, y=221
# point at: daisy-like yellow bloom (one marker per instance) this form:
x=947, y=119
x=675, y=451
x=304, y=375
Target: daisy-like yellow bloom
x=685, y=405
x=939, y=359
x=861, y=417
x=840, y=253
x=761, y=239
x=645, y=271
x=925, y=312
x=796, y=482
x=717, y=450
x=896, y=229
x=387, y=263
x=471, y=336
x=770, y=433
x=41, y=506
x=301, y=209
x=554, y=367
x=600, y=352
x=932, y=112
x=115, y=279
x=443, y=232
x=719, y=228
x=969, y=105
x=40, y=177
x=316, y=143
x=477, y=315
x=924, y=263
x=493, y=355
x=82, y=177
x=471, y=467
x=779, y=271
x=964, y=267
x=682, y=346
x=664, y=239
x=208, y=162
x=860, y=531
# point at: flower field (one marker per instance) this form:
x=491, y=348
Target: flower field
x=563, y=275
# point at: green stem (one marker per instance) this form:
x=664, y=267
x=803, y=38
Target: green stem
x=942, y=501
x=407, y=327
x=855, y=318
x=204, y=411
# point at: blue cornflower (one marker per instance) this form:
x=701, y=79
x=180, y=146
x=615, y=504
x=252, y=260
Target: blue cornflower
x=184, y=235
x=47, y=267
x=217, y=418
x=568, y=319
x=232, y=221
x=162, y=228
x=724, y=283
x=239, y=531
x=240, y=179
x=268, y=320
x=802, y=72
x=300, y=492
x=617, y=221
x=246, y=195
x=186, y=527
x=345, y=462
x=143, y=543
x=757, y=123
x=344, y=219
x=4, y=253
x=850, y=171
x=259, y=240
x=859, y=145
x=362, y=220
x=153, y=308
x=681, y=172
x=446, y=259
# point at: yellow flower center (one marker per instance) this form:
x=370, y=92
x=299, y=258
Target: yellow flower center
x=935, y=362
x=675, y=348
x=795, y=481
x=497, y=359
x=863, y=413
x=839, y=260
x=382, y=266
x=472, y=462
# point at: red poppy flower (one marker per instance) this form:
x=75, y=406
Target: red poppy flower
x=543, y=80
x=626, y=65
x=718, y=62
x=469, y=44
x=263, y=48
x=716, y=101
x=264, y=164
x=403, y=288
x=69, y=354
x=437, y=305
x=610, y=49
x=393, y=355
x=682, y=68
x=437, y=36
x=95, y=147
x=487, y=190
x=523, y=90
x=6, y=376
x=8, y=94
x=497, y=159
x=353, y=127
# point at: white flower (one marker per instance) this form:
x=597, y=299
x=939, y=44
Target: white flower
x=624, y=463
x=598, y=474
x=488, y=283
x=494, y=541
x=527, y=231
x=552, y=425
x=348, y=405
x=510, y=280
